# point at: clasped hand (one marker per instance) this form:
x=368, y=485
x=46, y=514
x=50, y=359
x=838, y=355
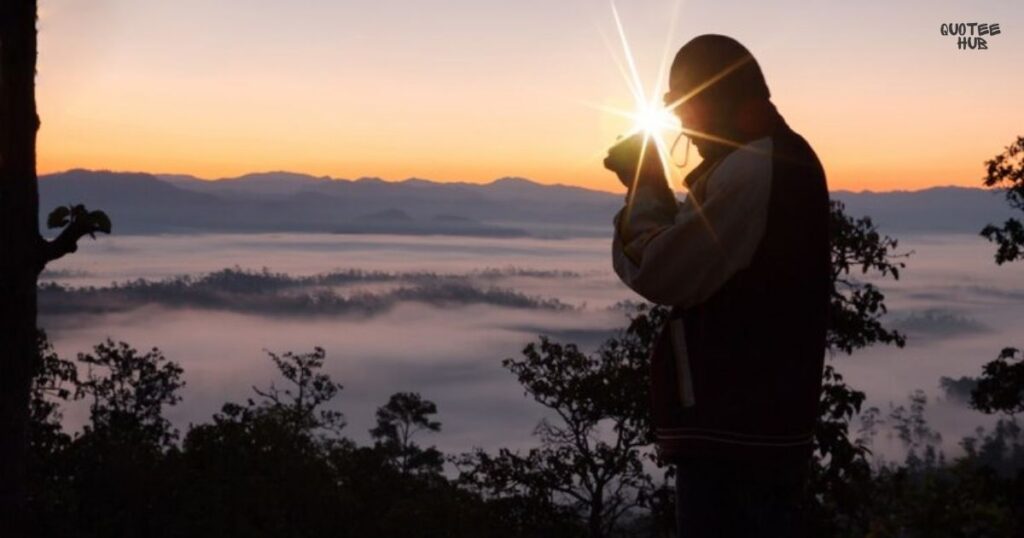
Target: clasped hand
x=625, y=157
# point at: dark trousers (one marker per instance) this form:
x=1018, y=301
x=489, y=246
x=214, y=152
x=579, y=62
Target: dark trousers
x=723, y=499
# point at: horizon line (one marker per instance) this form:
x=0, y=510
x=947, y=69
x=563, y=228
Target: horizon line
x=163, y=175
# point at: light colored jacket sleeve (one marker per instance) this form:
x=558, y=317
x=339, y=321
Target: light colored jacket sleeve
x=676, y=253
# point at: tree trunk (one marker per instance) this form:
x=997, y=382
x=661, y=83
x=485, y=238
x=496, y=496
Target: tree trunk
x=20, y=245
x=595, y=524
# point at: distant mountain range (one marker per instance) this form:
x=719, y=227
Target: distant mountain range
x=140, y=203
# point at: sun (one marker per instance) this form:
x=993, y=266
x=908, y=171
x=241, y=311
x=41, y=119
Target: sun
x=653, y=119
x=649, y=115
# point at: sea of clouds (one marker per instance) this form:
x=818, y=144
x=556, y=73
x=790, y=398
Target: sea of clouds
x=437, y=315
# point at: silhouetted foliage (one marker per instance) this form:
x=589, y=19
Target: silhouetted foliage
x=1001, y=385
x=299, y=405
x=77, y=221
x=911, y=427
x=398, y=421
x=270, y=293
x=1001, y=450
x=110, y=480
x=590, y=462
x=840, y=469
x=1006, y=171
x=981, y=493
x=521, y=493
x=278, y=464
x=841, y=472
x=857, y=306
x=950, y=501
x=262, y=468
x=55, y=381
x=127, y=391
x=926, y=496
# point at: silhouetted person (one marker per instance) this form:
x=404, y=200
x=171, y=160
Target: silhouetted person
x=744, y=262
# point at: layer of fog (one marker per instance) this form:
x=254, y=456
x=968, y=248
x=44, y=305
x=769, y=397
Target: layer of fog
x=957, y=307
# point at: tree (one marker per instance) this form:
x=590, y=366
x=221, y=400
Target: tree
x=841, y=473
x=262, y=468
x=118, y=460
x=857, y=307
x=914, y=432
x=128, y=391
x=1006, y=170
x=590, y=462
x=273, y=466
x=48, y=492
x=404, y=416
x=1001, y=449
x=301, y=404
x=1001, y=386
x=25, y=251
x=56, y=380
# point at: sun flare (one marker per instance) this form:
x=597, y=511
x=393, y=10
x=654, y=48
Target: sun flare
x=651, y=117
x=654, y=120
x=648, y=115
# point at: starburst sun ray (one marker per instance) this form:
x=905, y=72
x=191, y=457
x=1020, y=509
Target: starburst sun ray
x=654, y=118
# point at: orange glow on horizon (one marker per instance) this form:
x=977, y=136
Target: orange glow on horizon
x=471, y=96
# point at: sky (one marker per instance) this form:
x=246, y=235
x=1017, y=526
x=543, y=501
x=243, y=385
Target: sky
x=473, y=90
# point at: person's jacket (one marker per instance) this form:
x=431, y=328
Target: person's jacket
x=744, y=261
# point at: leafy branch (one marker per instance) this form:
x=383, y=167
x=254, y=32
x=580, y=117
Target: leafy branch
x=1007, y=170
x=77, y=222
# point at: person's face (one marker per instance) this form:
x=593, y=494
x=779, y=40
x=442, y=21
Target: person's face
x=694, y=113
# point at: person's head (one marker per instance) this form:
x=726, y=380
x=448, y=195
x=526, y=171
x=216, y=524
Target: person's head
x=722, y=91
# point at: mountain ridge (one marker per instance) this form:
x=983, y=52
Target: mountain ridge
x=499, y=180
x=140, y=202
